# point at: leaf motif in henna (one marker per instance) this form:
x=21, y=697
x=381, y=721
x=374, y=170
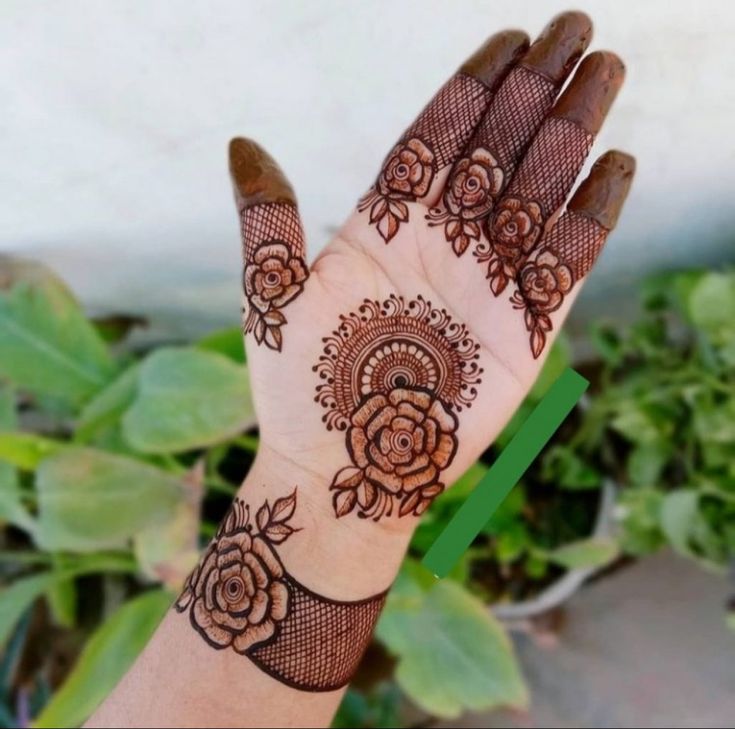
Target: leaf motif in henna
x=344, y=502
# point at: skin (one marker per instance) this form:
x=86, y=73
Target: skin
x=180, y=680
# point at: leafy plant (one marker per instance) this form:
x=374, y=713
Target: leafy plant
x=663, y=420
x=115, y=467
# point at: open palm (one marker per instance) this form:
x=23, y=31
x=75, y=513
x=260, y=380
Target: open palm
x=385, y=369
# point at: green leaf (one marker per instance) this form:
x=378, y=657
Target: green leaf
x=106, y=657
x=511, y=543
x=168, y=552
x=12, y=508
x=564, y=468
x=228, y=342
x=187, y=399
x=678, y=514
x=109, y=405
x=61, y=597
x=712, y=302
x=91, y=500
x=26, y=450
x=17, y=598
x=453, y=655
x=639, y=513
x=646, y=461
x=593, y=552
x=47, y=346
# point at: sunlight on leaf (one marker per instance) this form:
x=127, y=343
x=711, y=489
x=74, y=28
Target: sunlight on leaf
x=187, y=399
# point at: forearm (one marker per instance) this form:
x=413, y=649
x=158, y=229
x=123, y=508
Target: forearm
x=227, y=661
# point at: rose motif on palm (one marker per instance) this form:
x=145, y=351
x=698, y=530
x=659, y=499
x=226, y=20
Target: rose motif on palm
x=399, y=443
x=394, y=375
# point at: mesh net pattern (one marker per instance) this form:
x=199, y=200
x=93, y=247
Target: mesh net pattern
x=577, y=240
x=272, y=221
x=320, y=643
x=514, y=116
x=552, y=163
x=448, y=120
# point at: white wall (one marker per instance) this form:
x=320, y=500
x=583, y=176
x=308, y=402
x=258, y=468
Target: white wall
x=115, y=119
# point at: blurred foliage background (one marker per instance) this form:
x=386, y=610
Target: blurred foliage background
x=117, y=463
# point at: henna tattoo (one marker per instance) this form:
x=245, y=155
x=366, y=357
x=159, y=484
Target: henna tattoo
x=538, y=189
x=548, y=276
x=394, y=376
x=478, y=178
x=275, y=270
x=434, y=141
x=241, y=597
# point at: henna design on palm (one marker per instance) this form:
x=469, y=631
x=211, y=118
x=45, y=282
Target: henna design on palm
x=394, y=376
x=241, y=597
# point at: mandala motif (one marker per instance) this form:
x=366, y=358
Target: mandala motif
x=394, y=376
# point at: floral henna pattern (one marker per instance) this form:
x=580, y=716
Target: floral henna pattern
x=406, y=175
x=241, y=597
x=476, y=181
x=551, y=272
x=394, y=376
x=274, y=272
x=514, y=229
x=237, y=595
x=433, y=141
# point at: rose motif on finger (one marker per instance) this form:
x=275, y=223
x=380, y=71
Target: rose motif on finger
x=513, y=230
x=274, y=276
x=476, y=181
x=237, y=596
x=406, y=175
x=545, y=282
x=408, y=171
x=470, y=194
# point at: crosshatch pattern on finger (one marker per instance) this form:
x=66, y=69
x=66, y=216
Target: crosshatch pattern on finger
x=450, y=116
x=274, y=270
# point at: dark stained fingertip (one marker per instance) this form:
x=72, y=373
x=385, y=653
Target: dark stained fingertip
x=495, y=57
x=561, y=44
x=591, y=92
x=256, y=177
x=602, y=194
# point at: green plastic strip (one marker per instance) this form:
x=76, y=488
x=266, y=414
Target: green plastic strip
x=511, y=464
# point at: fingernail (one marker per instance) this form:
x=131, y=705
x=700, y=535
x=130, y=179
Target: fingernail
x=561, y=44
x=492, y=61
x=256, y=177
x=592, y=90
x=602, y=194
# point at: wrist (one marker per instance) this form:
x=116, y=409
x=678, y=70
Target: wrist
x=345, y=558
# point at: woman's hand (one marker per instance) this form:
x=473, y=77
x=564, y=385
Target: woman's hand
x=385, y=370
x=382, y=373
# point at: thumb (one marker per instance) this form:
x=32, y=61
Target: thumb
x=273, y=246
